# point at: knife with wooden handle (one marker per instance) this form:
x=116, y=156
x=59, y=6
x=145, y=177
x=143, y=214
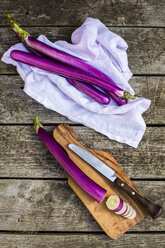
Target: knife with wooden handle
x=152, y=209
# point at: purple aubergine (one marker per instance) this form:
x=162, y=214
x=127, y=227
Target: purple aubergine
x=67, y=59
x=56, y=54
x=20, y=33
x=91, y=91
x=120, y=101
x=88, y=185
x=96, y=94
x=66, y=71
x=87, y=89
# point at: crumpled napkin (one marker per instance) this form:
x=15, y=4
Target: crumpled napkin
x=105, y=50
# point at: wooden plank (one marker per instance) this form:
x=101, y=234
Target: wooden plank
x=50, y=205
x=81, y=241
x=24, y=155
x=113, y=225
x=17, y=107
x=145, y=53
x=118, y=13
x=12, y=109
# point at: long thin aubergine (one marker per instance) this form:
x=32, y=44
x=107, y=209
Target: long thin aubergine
x=70, y=60
x=65, y=71
x=91, y=91
x=85, y=183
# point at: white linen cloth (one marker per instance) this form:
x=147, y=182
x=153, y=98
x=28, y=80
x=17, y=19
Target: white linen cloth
x=105, y=50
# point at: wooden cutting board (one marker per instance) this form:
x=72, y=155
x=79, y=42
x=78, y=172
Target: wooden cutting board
x=113, y=225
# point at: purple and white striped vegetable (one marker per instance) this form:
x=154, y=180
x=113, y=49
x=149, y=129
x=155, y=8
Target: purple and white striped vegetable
x=119, y=207
x=114, y=203
x=66, y=71
x=72, y=61
x=122, y=210
x=132, y=215
x=129, y=208
x=91, y=91
x=89, y=186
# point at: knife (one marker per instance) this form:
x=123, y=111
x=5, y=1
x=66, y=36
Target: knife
x=153, y=210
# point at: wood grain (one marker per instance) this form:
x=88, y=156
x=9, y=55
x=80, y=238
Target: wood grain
x=24, y=155
x=17, y=107
x=68, y=13
x=113, y=225
x=50, y=205
x=80, y=241
x=145, y=54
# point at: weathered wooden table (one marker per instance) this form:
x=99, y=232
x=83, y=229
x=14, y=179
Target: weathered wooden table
x=37, y=208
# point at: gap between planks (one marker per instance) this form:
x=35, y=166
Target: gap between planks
x=76, y=26
x=74, y=232
x=56, y=124
x=133, y=75
x=65, y=179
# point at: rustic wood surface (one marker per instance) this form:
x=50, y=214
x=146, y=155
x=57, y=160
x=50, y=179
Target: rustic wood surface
x=21, y=154
x=73, y=13
x=52, y=206
x=112, y=224
x=13, y=111
x=84, y=240
x=145, y=53
x=37, y=207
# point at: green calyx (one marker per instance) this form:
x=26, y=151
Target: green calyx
x=127, y=95
x=19, y=31
x=37, y=124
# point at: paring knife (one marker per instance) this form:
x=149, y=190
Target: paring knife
x=153, y=210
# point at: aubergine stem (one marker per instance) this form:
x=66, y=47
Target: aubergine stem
x=37, y=124
x=63, y=70
x=120, y=101
x=23, y=35
x=83, y=181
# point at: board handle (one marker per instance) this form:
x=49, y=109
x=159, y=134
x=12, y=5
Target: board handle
x=152, y=209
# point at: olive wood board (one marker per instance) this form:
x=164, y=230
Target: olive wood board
x=113, y=225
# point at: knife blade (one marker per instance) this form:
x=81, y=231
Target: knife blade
x=94, y=162
x=152, y=209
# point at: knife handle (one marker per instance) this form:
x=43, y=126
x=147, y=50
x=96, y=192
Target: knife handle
x=152, y=209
